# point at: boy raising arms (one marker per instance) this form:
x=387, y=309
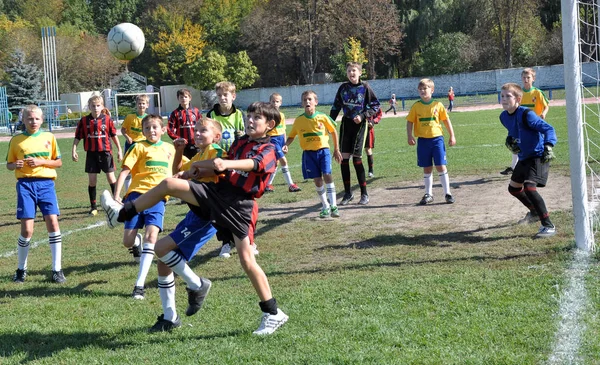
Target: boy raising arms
x=358, y=102
x=34, y=156
x=425, y=119
x=312, y=127
x=182, y=121
x=532, y=138
x=278, y=139
x=534, y=99
x=231, y=202
x=132, y=126
x=148, y=162
x=97, y=130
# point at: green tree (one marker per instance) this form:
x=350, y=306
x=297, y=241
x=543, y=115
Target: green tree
x=128, y=84
x=78, y=14
x=214, y=67
x=241, y=71
x=221, y=20
x=24, y=84
x=108, y=13
x=450, y=53
x=352, y=52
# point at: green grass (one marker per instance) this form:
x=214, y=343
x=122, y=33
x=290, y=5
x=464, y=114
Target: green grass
x=395, y=292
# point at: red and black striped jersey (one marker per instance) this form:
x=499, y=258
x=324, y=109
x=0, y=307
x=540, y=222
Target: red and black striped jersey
x=96, y=133
x=263, y=153
x=182, y=122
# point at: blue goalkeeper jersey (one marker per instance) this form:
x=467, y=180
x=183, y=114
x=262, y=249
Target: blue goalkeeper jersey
x=530, y=131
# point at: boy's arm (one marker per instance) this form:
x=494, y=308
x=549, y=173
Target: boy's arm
x=115, y=140
x=120, y=182
x=409, y=133
x=74, y=154
x=448, y=124
x=172, y=126
x=545, y=112
x=371, y=102
x=179, y=147
x=337, y=104
x=124, y=133
x=337, y=155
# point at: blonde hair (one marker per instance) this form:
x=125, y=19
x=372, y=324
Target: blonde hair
x=151, y=117
x=358, y=65
x=513, y=88
x=274, y=95
x=225, y=86
x=94, y=99
x=528, y=71
x=142, y=97
x=209, y=122
x=426, y=82
x=308, y=92
x=30, y=109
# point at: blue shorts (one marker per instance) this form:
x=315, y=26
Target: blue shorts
x=316, y=163
x=431, y=149
x=153, y=216
x=191, y=234
x=278, y=142
x=32, y=193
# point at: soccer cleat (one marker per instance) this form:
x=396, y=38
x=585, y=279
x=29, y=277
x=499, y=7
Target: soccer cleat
x=530, y=217
x=371, y=174
x=58, y=277
x=93, y=212
x=225, y=251
x=136, y=252
x=294, y=188
x=271, y=322
x=196, y=297
x=325, y=213
x=254, y=249
x=427, y=199
x=269, y=189
x=162, y=325
x=138, y=293
x=347, y=198
x=111, y=207
x=20, y=275
x=335, y=213
x=507, y=171
x=546, y=232
x=449, y=199
x=364, y=199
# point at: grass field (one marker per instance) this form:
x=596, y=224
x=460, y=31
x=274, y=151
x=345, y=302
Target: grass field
x=370, y=288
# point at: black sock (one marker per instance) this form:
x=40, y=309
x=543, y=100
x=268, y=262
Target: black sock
x=370, y=162
x=538, y=204
x=269, y=306
x=360, y=174
x=92, y=195
x=519, y=193
x=346, y=175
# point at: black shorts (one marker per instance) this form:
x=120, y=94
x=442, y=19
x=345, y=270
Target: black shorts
x=370, y=143
x=96, y=162
x=531, y=169
x=227, y=206
x=353, y=136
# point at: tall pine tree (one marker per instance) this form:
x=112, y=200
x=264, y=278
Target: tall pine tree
x=24, y=85
x=129, y=85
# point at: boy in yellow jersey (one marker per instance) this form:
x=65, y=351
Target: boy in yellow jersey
x=132, y=126
x=313, y=129
x=149, y=162
x=534, y=99
x=33, y=156
x=278, y=139
x=425, y=119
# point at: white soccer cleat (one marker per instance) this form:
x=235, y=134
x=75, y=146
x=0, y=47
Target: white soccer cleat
x=271, y=322
x=546, y=232
x=225, y=251
x=254, y=249
x=111, y=208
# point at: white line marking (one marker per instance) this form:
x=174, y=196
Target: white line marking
x=63, y=234
x=573, y=303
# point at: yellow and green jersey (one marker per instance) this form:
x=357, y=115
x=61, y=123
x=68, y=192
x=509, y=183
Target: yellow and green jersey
x=427, y=118
x=133, y=127
x=535, y=100
x=38, y=145
x=313, y=131
x=149, y=163
x=280, y=129
x=210, y=152
x=232, y=125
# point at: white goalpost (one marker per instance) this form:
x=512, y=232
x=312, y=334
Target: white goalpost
x=583, y=119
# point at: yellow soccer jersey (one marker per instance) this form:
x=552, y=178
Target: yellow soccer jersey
x=312, y=130
x=149, y=164
x=38, y=145
x=280, y=129
x=133, y=126
x=427, y=118
x=535, y=100
x=210, y=152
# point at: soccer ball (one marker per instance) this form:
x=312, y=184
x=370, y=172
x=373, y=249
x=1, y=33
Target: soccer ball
x=126, y=41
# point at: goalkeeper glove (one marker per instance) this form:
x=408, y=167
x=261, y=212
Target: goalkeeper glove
x=548, y=154
x=511, y=144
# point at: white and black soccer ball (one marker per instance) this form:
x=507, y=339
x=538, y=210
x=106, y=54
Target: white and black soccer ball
x=126, y=41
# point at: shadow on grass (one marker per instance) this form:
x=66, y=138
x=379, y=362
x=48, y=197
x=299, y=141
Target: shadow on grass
x=55, y=290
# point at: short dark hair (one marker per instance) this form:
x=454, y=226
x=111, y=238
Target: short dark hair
x=267, y=110
x=184, y=92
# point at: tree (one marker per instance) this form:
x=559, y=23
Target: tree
x=450, y=53
x=508, y=15
x=25, y=81
x=214, y=67
x=128, y=84
x=352, y=52
x=108, y=13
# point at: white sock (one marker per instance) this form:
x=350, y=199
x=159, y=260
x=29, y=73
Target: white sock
x=515, y=159
x=272, y=177
x=428, y=183
x=145, y=263
x=22, y=252
x=55, y=241
x=286, y=175
x=322, y=196
x=445, y=180
x=331, y=193
x=176, y=262
x=166, y=290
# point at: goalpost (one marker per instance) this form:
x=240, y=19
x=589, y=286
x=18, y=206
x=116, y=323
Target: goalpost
x=581, y=43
